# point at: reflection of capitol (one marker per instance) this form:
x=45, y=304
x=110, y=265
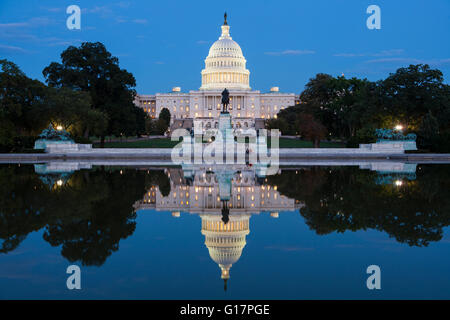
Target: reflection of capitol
x=225, y=213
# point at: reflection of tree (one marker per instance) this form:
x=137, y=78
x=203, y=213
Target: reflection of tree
x=88, y=216
x=341, y=199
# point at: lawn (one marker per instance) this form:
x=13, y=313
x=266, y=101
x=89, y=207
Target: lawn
x=297, y=143
x=150, y=143
x=167, y=143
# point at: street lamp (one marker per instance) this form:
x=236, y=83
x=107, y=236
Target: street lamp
x=399, y=127
x=59, y=127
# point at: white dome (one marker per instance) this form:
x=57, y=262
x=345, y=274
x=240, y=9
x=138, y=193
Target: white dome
x=225, y=242
x=225, y=65
x=225, y=48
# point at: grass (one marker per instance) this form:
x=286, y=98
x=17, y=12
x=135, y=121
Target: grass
x=167, y=143
x=151, y=143
x=297, y=143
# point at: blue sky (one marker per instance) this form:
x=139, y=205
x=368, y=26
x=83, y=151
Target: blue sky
x=164, y=43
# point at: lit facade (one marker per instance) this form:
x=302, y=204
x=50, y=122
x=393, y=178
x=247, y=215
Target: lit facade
x=225, y=67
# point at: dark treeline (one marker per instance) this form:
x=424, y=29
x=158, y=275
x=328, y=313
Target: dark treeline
x=87, y=93
x=351, y=109
x=87, y=216
x=343, y=199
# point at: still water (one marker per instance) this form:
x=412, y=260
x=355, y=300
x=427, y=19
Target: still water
x=309, y=232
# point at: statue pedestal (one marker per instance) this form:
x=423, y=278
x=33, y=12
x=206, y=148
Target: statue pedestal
x=226, y=132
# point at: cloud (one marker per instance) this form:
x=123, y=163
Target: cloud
x=6, y=49
x=383, y=53
x=289, y=52
x=103, y=10
x=13, y=25
x=202, y=42
x=431, y=62
x=34, y=22
x=61, y=42
x=58, y=9
x=399, y=60
x=349, y=55
x=159, y=62
x=140, y=21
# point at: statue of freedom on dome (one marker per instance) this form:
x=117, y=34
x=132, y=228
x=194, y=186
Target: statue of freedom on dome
x=225, y=100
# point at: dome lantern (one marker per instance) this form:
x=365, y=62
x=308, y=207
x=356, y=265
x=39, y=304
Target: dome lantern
x=225, y=65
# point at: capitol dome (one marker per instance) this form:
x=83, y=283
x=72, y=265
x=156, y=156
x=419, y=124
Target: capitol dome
x=225, y=64
x=225, y=241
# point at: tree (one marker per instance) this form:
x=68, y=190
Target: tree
x=165, y=115
x=21, y=99
x=279, y=123
x=160, y=126
x=72, y=110
x=428, y=131
x=349, y=199
x=75, y=216
x=410, y=93
x=92, y=69
x=311, y=129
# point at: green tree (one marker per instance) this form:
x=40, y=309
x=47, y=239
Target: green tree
x=279, y=123
x=92, y=69
x=349, y=199
x=165, y=115
x=410, y=93
x=160, y=126
x=311, y=129
x=21, y=100
x=72, y=110
x=428, y=134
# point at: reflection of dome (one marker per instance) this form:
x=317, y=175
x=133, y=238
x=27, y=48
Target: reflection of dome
x=225, y=65
x=225, y=242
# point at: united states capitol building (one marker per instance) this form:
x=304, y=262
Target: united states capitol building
x=225, y=67
x=201, y=192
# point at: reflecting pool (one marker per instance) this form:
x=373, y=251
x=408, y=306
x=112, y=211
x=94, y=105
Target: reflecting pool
x=308, y=232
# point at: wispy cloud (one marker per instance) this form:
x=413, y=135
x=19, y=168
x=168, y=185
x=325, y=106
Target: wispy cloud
x=202, y=42
x=54, y=9
x=34, y=22
x=6, y=49
x=383, y=53
x=433, y=62
x=102, y=10
x=159, y=62
x=13, y=25
x=140, y=21
x=399, y=60
x=63, y=42
x=289, y=52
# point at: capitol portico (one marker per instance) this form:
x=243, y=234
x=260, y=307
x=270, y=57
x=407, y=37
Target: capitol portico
x=225, y=67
